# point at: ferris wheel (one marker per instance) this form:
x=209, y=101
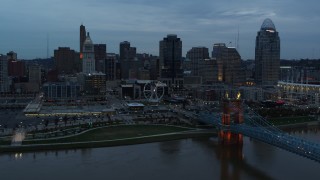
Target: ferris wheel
x=154, y=91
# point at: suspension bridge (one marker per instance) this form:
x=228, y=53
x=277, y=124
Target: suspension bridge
x=238, y=119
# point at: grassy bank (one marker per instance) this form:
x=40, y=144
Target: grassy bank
x=5, y=142
x=112, y=132
x=128, y=135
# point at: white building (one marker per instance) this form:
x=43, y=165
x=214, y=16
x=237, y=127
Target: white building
x=88, y=61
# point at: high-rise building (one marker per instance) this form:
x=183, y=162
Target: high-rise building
x=124, y=48
x=267, y=54
x=88, y=61
x=229, y=64
x=111, y=67
x=4, y=81
x=16, y=68
x=12, y=56
x=82, y=37
x=195, y=55
x=128, y=61
x=100, y=51
x=66, y=61
x=35, y=74
x=208, y=71
x=170, y=51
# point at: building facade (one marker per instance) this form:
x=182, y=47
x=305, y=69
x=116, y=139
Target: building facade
x=35, y=74
x=229, y=64
x=95, y=84
x=100, y=51
x=64, y=90
x=195, y=55
x=128, y=61
x=4, y=80
x=267, y=55
x=82, y=37
x=88, y=61
x=170, y=61
x=66, y=61
x=111, y=67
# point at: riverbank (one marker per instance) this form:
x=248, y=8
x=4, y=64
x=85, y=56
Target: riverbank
x=133, y=136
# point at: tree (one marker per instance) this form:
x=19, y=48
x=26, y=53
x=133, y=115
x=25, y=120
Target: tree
x=65, y=119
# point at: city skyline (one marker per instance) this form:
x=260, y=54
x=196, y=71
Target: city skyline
x=26, y=25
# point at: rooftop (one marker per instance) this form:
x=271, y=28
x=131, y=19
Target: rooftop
x=268, y=25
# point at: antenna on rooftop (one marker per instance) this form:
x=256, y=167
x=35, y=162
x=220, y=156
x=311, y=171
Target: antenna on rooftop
x=47, y=45
x=237, y=45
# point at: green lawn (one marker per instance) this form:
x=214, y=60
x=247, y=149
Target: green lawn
x=114, y=132
x=5, y=141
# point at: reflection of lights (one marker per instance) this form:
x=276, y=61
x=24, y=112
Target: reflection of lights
x=18, y=155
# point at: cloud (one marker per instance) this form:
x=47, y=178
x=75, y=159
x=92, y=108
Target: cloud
x=249, y=13
x=145, y=22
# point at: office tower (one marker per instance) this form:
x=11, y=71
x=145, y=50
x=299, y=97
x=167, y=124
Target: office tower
x=195, y=55
x=15, y=68
x=229, y=64
x=129, y=63
x=66, y=60
x=4, y=81
x=154, y=68
x=35, y=74
x=88, y=61
x=208, y=71
x=82, y=37
x=170, y=51
x=100, y=51
x=95, y=83
x=12, y=56
x=267, y=54
x=111, y=67
x=124, y=49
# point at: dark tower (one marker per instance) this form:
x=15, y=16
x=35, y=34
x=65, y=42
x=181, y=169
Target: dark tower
x=82, y=37
x=267, y=54
x=170, y=51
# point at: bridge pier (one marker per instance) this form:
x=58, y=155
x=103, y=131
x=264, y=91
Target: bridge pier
x=232, y=114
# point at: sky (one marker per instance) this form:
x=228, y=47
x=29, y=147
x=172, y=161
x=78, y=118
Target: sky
x=26, y=25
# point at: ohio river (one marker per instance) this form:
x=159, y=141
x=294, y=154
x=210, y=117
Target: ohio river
x=196, y=159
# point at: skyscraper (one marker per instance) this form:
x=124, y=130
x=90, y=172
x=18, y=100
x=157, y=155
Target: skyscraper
x=229, y=64
x=100, y=51
x=4, y=81
x=267, y=54
x=170, y=52
x=195, y=55
x=128, y=61
x=124, y=49
x=66, y=60
x=88, y=61
x=82, y=37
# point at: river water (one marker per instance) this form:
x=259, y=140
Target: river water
x=188, y=159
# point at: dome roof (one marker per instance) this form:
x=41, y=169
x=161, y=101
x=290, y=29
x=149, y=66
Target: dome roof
x=268, y=25
x=88, y=39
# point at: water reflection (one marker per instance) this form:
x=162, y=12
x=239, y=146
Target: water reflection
x=232, y=162
x=18, y=156
x=170, y=147
x=188, y=159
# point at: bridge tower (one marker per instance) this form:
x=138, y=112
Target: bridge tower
x=232, y=114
